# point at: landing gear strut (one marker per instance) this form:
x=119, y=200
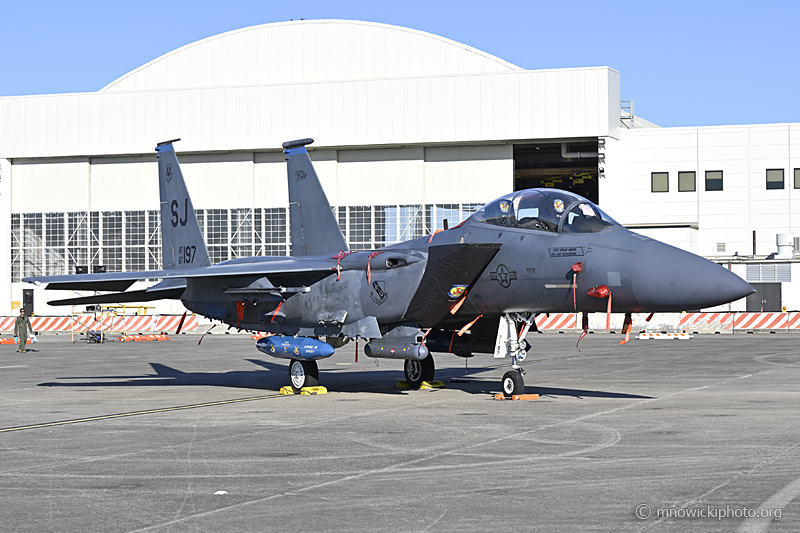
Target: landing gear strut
x=511, y=343
x=303, y=374
x=418, y=371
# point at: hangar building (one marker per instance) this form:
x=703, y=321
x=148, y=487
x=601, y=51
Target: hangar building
x=410, y=128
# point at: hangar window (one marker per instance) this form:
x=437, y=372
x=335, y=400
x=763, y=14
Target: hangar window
x=659, y=182
x=435, y=215
x=775, y=178
x=54, y=255
x=32, y=244
x=686, y=182
x=16, y=253
x=112, y=241
x=360, y=226
x=713, y=180
x=274, y=235
x=797, y=178
x=77, y=240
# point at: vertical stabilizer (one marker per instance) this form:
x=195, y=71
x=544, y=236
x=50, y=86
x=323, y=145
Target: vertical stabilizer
x=182, y=244
x=313, y=228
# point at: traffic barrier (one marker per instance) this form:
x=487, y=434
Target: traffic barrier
x=170, y=323
x=675, y=322
x=597, y=321
x=140, y=338
x=79, y=323
x=689, y=322
x=761, y=321
x=707, y=322
x=557, y=321
x=663, y=336
x=14, y=340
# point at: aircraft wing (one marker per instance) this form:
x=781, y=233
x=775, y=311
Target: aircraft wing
x=280, y=269
x=117, y=280
x=452, y=271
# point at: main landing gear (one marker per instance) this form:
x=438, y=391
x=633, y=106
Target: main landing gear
x=418, y=371
x=511, y=343
x=303, y=374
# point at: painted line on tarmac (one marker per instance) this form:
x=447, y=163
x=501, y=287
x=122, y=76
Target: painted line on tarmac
x=138, y=413
x=779, y=500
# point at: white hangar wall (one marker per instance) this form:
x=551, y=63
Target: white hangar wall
x=410, y=129
x=570, y=103
x=704, y=219
x=718, y=224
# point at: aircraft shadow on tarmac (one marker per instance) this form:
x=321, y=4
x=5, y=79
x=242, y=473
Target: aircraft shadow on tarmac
x=490, y=386
x=272, y=376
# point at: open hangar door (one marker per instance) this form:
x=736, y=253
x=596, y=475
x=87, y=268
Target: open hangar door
x=568, y=165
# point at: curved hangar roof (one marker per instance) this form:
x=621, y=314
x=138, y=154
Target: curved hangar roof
x=331, y=50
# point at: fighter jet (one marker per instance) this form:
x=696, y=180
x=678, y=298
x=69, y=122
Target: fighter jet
x=472, y=288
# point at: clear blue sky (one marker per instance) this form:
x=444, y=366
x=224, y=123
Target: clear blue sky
x=683, y=63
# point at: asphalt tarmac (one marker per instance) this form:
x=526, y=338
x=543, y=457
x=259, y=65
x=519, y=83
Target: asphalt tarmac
x=697, y=435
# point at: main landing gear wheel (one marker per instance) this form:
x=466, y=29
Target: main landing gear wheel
x=513, y=383
x=418, y=371
x=303, y=374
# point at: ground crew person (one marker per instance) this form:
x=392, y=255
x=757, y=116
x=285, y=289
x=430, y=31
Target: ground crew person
x=21, y=326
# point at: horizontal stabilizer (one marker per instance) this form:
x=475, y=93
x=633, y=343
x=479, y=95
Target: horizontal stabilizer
x=451, y=271
x=123, y=297
x=111, y=285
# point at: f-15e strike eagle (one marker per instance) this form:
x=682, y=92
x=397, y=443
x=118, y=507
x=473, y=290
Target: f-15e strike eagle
x=472, y=288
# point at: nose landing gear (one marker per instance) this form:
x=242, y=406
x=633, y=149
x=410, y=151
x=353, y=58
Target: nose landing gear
x=511, y=343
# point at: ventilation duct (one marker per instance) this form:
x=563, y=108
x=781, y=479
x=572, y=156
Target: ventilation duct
x=785, y=243
x=575, y=155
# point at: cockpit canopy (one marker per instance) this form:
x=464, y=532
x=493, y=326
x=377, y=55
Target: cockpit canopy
x=550, y=210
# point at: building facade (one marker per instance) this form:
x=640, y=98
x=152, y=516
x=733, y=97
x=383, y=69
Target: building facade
x=410, y=128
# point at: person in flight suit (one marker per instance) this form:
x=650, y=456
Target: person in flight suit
x=21, y=326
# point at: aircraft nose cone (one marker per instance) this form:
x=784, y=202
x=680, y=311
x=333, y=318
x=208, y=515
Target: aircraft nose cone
x=666, y=278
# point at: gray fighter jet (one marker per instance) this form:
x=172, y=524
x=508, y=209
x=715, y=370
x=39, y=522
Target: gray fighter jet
x=473, y=288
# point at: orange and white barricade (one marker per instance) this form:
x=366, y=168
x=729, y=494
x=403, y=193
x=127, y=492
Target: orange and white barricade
x=761, y=321
x=707, y=322
x=170, y=323
x=106, y=323
x=557, y=321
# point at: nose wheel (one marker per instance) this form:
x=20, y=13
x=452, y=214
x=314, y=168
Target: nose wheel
x=513, y=383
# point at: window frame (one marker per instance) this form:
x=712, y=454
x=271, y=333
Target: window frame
x=721, y=180
x=694, y=181
x=653, y=181
x=797, y=178
x=782, y=182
